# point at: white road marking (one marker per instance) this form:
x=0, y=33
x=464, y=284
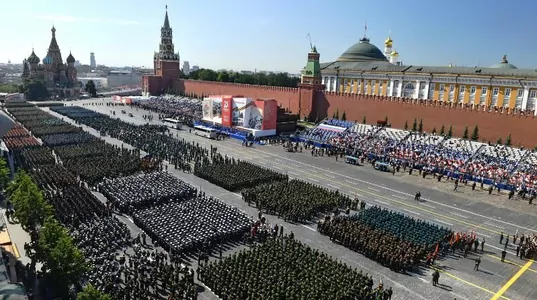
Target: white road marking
x=277, y=168
x=410, y=211
x=313, y=179
x=309, y=227
x=428, y=205
x=482, y=234
x=493, y=225
x=373, y=189
x=293, y=173
x=350, y=182
x=334, y=186
x=443, y=222
x=490, y=272
x=501, y=249
x=397, y=191
x=382, y=202
x=238, y=195
x=330, y=176
x=423, y=279
x=399, y=196
x=459, y=215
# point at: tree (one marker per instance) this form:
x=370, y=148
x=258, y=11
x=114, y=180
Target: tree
x=420, y=126
x=271, y=79
x=465, y=133
x=63, y=262
x=35, y=90
x=508, y=140
x=344, y=116
x=434, y=130
x=31, y=209
x=91, y=89
x=499, y=141
x=91, y=293
x=406, y=125
x=9, y=88
x=364, y=120
x=442, y=129
x=334, y=115
x=415, y=125
x=450, y=131
x=386, y=120
x=4, y=174
x=337, y=114
x=475, y=133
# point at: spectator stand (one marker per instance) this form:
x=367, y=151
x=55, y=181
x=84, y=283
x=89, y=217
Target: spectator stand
x=415, y=148
x=321, y=135
x=525, y=174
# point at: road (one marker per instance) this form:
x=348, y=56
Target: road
x=462, y=211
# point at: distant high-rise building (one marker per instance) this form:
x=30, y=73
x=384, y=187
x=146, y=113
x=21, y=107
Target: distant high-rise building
x=194, y=68
x=77, y=63
x=93, y=63
x=186, y=67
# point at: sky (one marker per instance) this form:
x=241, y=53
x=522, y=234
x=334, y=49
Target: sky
x=272, y=35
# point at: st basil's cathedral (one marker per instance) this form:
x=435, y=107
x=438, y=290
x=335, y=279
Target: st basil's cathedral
x=60, y=78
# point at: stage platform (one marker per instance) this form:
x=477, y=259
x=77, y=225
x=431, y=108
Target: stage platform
x=258, y=133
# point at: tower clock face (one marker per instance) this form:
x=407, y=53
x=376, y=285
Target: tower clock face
x=169, y=47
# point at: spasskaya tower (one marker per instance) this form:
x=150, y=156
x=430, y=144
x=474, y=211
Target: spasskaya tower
x=166, y=63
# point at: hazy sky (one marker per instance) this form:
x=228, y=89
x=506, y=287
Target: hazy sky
x=272, y=35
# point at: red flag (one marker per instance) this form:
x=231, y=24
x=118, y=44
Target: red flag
x=437, y=249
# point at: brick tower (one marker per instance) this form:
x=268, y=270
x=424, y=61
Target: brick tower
x=166, y=64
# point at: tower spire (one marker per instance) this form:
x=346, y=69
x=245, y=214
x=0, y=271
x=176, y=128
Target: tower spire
x=166, y=21
x=365, y=30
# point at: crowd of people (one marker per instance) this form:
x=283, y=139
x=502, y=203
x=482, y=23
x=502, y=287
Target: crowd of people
x=120, y=264
x=435, y=153
x=284, y=268
x=390, y=238
x=173, y=213
x=235, y=175
x=152, y=139
x=295, y=200
x=187, y=110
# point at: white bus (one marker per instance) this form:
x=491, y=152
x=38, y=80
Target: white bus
x=205, y=131
x=173, y=123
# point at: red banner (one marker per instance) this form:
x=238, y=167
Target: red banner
x=227, y=111
x=270, y=114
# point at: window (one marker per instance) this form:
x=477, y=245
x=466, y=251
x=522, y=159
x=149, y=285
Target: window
x=442, y=88
x=462, y=89
x=495, y=91
x=507, y=92
x=451, y=88
x=472, y=90
x=381, y=85
x=352, y=86
x=373, y=86
x=533, y=94
x=520, y=93
x=483, y=91
x=432, y=86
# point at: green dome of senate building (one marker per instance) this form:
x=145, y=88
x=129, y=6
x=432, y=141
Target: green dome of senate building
x=504, y=64
x=363, y=51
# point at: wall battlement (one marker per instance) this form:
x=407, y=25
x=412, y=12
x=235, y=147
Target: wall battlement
x=493, y=123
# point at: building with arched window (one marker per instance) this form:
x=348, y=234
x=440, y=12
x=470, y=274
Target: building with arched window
x=364, y=69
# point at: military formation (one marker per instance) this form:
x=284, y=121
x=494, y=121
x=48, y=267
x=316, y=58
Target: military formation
x=295, y=200
x=283, y=268
x=235, y=175
x=390, y=238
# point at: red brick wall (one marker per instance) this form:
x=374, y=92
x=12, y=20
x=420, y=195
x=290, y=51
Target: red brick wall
x=286, y=97
x=492, y=125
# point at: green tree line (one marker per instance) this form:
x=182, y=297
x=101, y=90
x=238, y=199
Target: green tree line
x=63, y=264
x=271, y=79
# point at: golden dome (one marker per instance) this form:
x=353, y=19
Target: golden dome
x=388, y=42
x=394, y=53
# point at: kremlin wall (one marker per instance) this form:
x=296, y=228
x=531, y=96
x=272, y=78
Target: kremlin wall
x=492, y=125
x=367, y=82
